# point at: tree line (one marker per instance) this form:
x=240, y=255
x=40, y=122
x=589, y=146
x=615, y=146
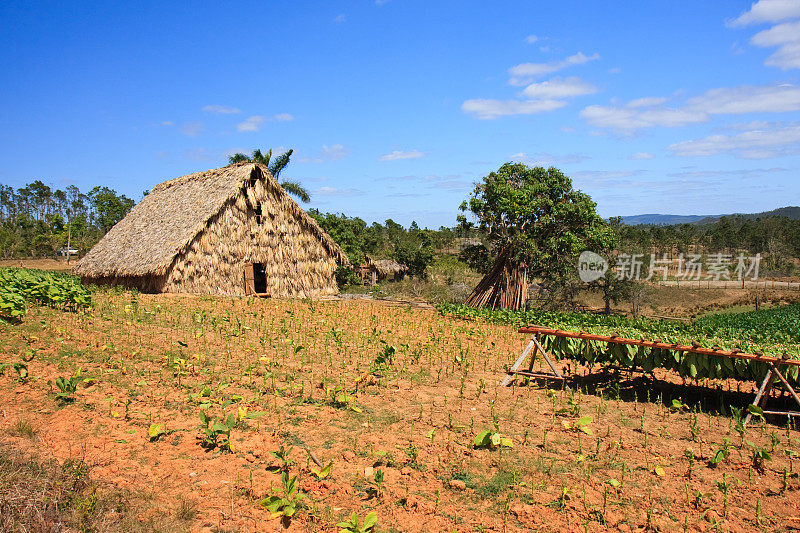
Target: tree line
x=37, y=220
x=776, y=238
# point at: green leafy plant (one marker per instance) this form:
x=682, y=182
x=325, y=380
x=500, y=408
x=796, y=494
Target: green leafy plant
x=20, y=368
x=322, y=473
x=67, y=387
x=353, y=525
x=758, y=456
x=581, y=424
x=282, y=455
x=491, y=440
x=287, y=502
x=155, y=431
x=376, y=487
x=217, y=431
x=721, y=453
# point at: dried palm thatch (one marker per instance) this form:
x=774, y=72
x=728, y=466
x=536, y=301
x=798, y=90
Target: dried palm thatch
x=196, y=233
x=388, y=267
x=374, y=270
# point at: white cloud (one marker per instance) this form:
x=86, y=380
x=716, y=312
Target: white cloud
x=333, y=191
x=786, y=37
x=327, y=153
x=748, y=99
x=251, y=124
x=626, y=120
x=740, y=173
x=530, y=39
x=341, y=17
x=774, y=140
x=537, y=97
x=490, y=109
x=557, y=88
x=768, y=11
x=641, y=155
x=653, y=112
x=648, y=101
x=167, y=123
x=399, y=154
x=255, y=122
x=221, y=110
x=547, y=160
x=525, y=73
x=192, y=129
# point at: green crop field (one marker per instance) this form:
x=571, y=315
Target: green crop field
x=21, y=285
x=771, y=332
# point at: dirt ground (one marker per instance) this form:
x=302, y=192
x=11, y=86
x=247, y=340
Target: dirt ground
x=42, y=264
x=373, y=388
x=661, y=301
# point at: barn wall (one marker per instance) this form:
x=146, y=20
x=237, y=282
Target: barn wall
x=296, y=262
x=146, y=284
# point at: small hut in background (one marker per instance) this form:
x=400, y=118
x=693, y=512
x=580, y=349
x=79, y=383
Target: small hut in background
x=374, y=270
x=232, y=231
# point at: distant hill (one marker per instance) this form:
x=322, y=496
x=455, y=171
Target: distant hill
x=792, y=212
x=662, y=220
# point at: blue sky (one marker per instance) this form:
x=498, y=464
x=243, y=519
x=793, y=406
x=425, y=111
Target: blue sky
x=396, y=107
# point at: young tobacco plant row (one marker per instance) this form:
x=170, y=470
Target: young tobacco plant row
x=772, y=331
x=21, y=285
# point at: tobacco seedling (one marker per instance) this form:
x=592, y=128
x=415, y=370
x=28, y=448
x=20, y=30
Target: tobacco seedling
x=758, y=455
x=155, y=431
x=581, y=424
x=738, y=417
x=282, y=454
x=376, y=487
x=491, y=440
x=287, y=503
x=67, y=387
x=352, y=525
x=20, y=368
x=721, y=453
x=678, y=405
x=217, y=431
x=323, y=472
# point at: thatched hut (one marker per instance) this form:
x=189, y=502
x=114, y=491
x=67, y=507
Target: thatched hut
x=375, y=270
x=232, y=230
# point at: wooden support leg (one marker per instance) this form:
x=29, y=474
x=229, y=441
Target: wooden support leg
x=763, y=392
x=547, y=358
x=786, y=384
x=511, y=371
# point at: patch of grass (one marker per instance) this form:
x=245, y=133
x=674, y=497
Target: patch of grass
x=492, y=487
x=187, y=510
x=23, y=428
x=48, y=496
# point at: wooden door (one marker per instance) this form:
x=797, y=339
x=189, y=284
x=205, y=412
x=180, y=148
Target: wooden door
x=249, y=279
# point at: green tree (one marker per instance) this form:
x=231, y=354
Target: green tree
x=108, y=207
x=536, y=225
x=416, y=254
x=275, y=167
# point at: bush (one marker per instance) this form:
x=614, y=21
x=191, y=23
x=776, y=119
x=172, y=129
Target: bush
x=477, y=257
x=346, y=276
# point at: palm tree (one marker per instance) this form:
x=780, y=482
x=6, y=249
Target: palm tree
x=275, y=167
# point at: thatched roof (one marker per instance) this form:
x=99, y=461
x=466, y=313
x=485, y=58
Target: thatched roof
x=385, y=267
x=148, y=239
